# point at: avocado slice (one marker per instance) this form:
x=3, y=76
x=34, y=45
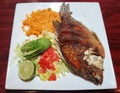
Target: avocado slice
x=40, y=46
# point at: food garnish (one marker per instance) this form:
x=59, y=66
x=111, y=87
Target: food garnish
x=43, y=52
x=35, y=47
x=26, y=70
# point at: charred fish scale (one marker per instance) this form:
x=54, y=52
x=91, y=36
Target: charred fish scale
x=80, y=47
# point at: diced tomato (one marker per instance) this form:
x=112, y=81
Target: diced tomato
x=50, y=66
x=47, y=59
x=42, y=70
x=52, y=77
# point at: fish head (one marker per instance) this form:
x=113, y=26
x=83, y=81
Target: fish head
x=94, y=60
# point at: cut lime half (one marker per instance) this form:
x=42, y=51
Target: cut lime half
x=26, y=70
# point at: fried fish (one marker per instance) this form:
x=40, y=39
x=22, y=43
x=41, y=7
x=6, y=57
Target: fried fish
x=80, y=47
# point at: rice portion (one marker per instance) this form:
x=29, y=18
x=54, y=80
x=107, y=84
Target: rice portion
x=40, y=20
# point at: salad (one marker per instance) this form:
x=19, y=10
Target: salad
x=46, y=62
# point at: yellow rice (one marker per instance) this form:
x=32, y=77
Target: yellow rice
x=40, y=20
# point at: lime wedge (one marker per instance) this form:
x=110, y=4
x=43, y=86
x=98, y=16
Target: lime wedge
x=26, y=70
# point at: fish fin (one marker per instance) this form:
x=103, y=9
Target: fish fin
x=101, y=49
x=95, y=35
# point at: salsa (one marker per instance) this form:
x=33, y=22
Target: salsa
x=47, y=62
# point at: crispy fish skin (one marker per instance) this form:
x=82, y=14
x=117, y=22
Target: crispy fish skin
x=80, y=47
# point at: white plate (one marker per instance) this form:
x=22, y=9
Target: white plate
x=90, y=15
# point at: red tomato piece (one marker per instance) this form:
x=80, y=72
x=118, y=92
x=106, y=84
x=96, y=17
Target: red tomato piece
x=42, y=70
x=47, y=59
x=52, y=77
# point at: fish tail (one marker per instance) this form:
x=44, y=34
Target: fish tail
x=65, y=10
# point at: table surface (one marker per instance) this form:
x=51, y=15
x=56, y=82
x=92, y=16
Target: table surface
x=111, y=16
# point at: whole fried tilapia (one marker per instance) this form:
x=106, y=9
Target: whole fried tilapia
x=80, y=47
